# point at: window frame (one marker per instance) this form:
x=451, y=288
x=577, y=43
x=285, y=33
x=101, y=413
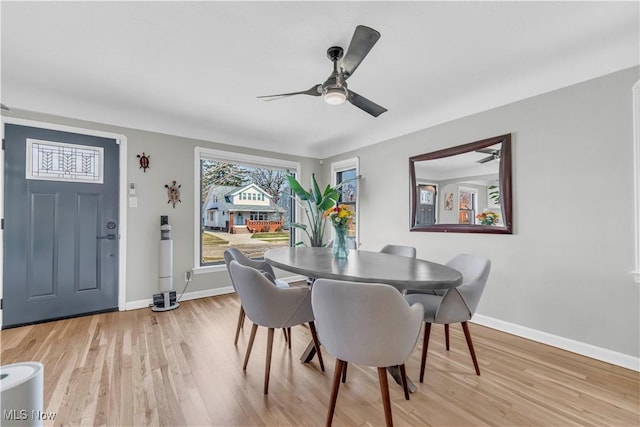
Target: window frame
x=345, y=165
x=636, y=176
x=203, y=153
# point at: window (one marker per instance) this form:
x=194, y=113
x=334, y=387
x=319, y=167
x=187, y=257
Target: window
x=348, y=170
x=219, y=175
x=259, y=216
x=58, y=161
x=467, y=205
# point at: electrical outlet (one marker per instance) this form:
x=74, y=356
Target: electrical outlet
x=187, y=276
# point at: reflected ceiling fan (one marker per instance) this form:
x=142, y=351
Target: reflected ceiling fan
x=334, y=90
x=493, y=155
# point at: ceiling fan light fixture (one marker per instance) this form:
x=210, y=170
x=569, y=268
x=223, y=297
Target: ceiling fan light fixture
x=335, y=96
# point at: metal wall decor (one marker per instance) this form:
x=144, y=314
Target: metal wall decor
x=144, y=161
x=173, y=192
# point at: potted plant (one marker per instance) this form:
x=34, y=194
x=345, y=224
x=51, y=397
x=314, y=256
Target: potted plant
x=315, y=203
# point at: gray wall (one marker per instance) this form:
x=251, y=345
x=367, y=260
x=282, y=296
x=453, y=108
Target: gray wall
x=566, y=269
x=172, y=158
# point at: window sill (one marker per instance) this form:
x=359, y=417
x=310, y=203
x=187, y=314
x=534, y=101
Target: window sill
x=209, y=269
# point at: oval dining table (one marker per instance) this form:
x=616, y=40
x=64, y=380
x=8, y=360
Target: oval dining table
x=364, y=266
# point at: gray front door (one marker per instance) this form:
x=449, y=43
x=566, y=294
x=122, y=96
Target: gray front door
x=61, y=224
x=426, y=214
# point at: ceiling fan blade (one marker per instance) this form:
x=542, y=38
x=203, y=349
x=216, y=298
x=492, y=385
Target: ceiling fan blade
x=486, y=159
x=314, y=91
x=364, y=104
x=4, y=107
x=486, y=151
x=361, y=43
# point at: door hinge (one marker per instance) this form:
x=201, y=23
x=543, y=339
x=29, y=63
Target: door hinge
x=3, y=143
x=1, y=302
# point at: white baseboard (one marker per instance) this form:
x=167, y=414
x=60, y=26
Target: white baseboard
x=592, y=351
x=145, y=303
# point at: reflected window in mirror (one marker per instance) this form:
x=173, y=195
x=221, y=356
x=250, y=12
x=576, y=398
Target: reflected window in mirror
x=466, y=188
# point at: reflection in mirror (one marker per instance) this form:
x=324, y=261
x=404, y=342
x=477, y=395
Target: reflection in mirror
x=465, y=189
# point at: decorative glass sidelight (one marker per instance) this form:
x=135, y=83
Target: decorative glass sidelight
x=57, y=161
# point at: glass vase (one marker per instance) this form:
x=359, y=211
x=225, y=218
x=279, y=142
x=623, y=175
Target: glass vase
x=340, y=249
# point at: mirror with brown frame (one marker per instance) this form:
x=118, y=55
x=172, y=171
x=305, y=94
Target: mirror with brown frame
x=463, y=189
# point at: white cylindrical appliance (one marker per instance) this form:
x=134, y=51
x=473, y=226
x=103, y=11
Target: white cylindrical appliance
x=165, y=280
x=166, y=299
x=22, y=394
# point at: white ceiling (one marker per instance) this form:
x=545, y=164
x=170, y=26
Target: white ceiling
x=195, y=68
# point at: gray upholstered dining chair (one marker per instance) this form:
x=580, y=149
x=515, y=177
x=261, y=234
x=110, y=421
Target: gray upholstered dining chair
x=232, y=254
x=367, y=324
x=272, y=307
x=400, y=250
x=454, y=305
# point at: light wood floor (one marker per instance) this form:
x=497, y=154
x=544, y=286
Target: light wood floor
x=181, y=368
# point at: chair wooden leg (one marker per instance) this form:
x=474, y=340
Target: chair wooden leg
x=240, y=323
x=425, y=346
x=344, y=373
x=446, y=335
x=467, y=335
x=386, y=400
x=267, y=367
x=316, y=343
x=340, y=364
x=289, y=336
x=254, y=328
x=405, y=384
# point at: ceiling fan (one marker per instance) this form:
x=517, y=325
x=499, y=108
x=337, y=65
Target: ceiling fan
x=493, y=155
x=334, y=90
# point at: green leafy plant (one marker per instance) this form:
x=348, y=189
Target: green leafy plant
x=314, y=203
x=494, y=194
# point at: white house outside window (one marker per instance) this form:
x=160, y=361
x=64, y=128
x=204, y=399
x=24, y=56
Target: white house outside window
x=241, y=201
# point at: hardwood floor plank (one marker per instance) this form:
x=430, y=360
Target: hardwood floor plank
x=182, y=368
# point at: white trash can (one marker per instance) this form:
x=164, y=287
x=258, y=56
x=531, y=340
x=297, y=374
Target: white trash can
x=22, y=394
